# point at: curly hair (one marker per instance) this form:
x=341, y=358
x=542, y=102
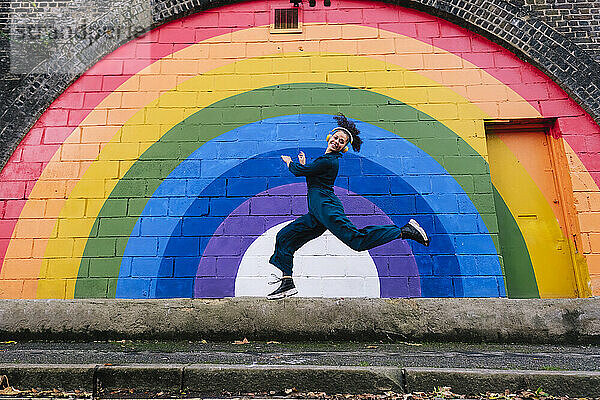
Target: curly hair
x=343, y=122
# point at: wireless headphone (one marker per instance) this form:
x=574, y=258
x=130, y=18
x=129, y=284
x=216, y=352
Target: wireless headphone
x=346, y=131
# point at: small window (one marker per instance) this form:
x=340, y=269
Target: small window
x=286, y=20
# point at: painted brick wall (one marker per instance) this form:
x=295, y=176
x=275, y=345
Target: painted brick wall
x=113, y=205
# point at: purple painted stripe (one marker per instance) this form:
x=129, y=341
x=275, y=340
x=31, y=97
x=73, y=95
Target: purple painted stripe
x=395, y=263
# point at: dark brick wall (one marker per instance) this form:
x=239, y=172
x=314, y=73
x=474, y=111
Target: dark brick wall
x=558, y=36
x=577, y=20
x=6, y=84
x=47, y=45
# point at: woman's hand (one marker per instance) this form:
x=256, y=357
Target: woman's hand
x=287, y=160
x=302, y=158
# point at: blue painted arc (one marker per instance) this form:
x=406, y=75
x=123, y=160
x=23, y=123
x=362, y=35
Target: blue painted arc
x=198, y=224
x=398, y=208
x=438, y=192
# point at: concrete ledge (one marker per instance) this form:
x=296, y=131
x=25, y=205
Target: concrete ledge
x=205, y=379
x=490, y=320
x=476, y=381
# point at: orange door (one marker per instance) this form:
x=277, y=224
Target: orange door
x=524, y=170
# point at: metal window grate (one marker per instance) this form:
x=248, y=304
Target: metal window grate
x=286, y=18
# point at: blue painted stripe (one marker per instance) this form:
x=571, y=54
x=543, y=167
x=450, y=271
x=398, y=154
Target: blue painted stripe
x=412, y=171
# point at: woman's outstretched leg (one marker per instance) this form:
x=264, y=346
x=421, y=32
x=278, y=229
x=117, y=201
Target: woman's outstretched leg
x=375, y=235
x=289, y=239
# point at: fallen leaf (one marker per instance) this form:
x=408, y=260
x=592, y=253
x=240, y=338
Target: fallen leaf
x=273, y=342
x=371, y=347
x=245, y=341
x=203, y=341
x=9, y=391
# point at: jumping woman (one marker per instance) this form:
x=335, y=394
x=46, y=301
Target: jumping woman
x=325, y=211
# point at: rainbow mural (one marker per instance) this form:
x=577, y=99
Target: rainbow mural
x=157, y=173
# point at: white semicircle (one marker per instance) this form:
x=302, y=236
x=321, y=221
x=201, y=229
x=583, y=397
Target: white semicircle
x=324, y=267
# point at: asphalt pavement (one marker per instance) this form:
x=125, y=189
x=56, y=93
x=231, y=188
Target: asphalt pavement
x=398, y=354
x=185, y=368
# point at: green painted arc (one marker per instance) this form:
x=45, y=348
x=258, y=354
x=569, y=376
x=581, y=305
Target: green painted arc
x=156, y=163
x=519, y=275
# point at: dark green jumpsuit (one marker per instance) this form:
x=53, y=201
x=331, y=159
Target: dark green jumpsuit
x=325, y=211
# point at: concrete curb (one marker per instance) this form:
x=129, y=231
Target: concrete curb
x=64, y=376
x=476, y=381
x=212, y=379
x=552, y=321
x=260, y=378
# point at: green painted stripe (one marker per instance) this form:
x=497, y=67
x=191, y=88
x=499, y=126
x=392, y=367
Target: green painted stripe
x=144, y=177
x=519, y=276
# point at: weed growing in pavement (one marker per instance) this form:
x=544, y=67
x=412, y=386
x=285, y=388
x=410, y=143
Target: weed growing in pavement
x=552, y=368
x=443, y=392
